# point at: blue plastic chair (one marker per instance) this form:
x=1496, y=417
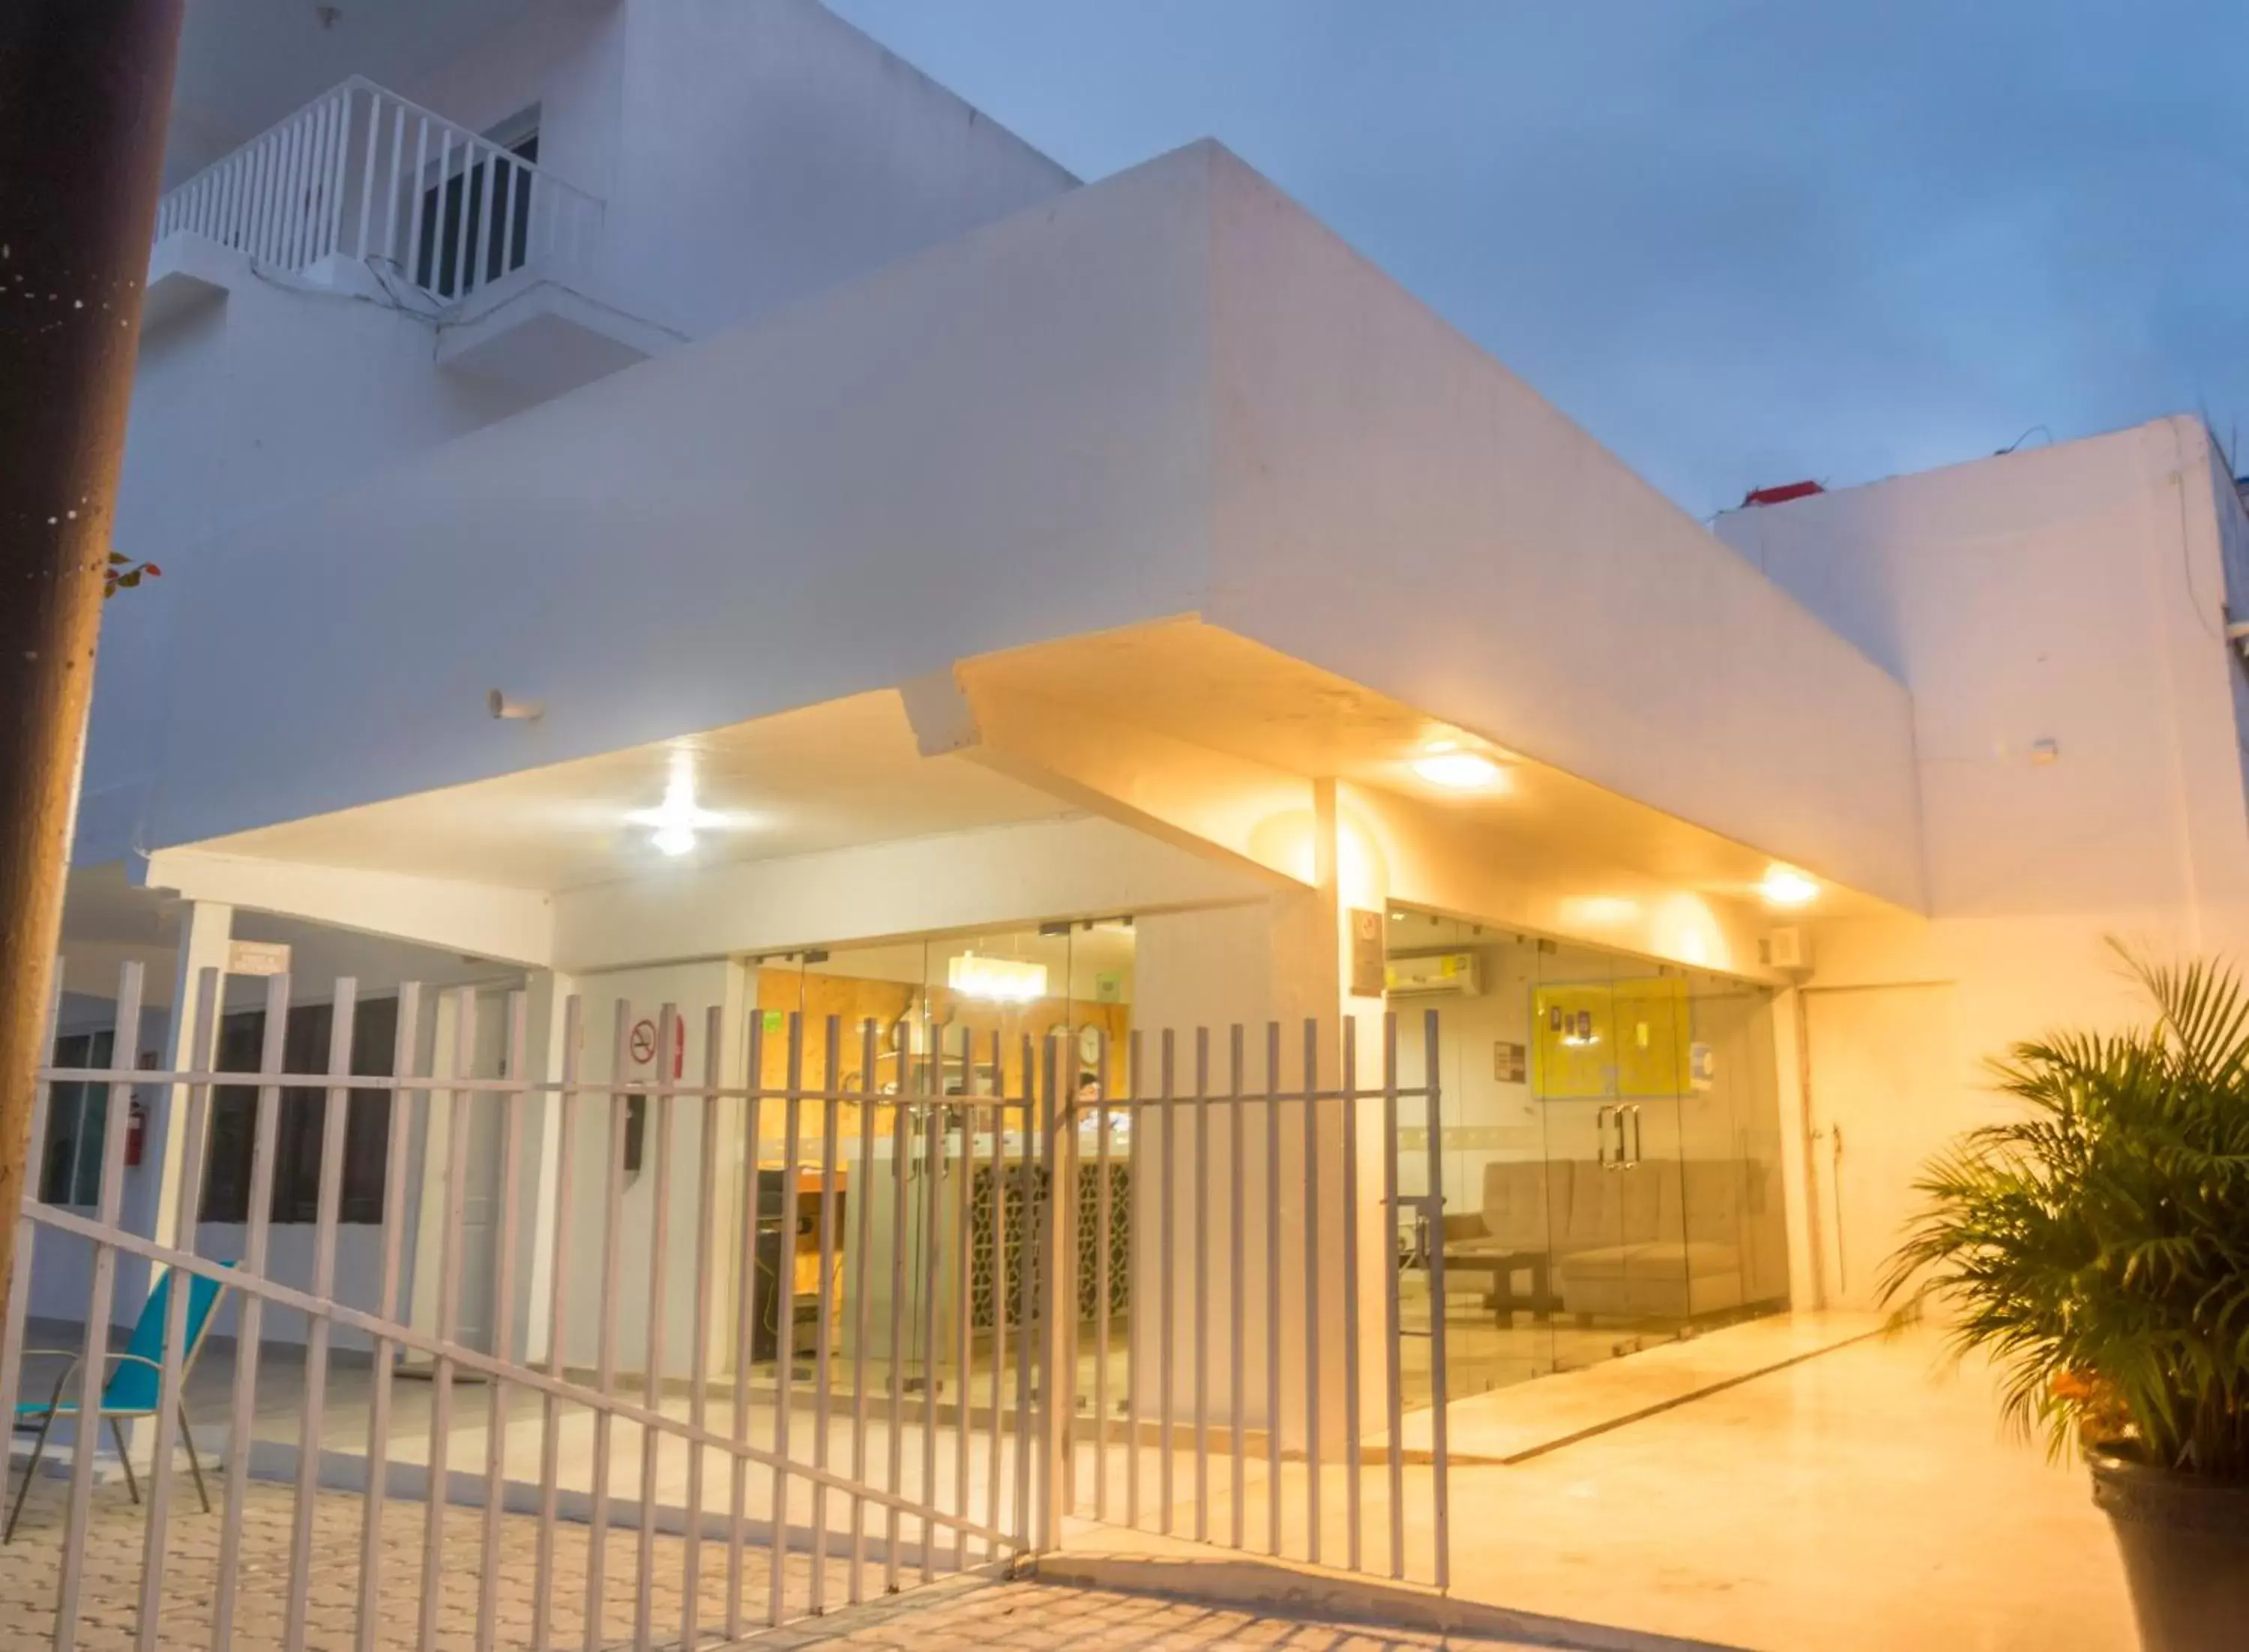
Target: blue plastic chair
x=134, y=1388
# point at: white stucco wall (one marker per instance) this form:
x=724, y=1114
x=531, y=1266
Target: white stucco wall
x=1398, y=507
x=2076, y=594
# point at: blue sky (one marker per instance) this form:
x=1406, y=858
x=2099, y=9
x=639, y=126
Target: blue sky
x=1741, y=241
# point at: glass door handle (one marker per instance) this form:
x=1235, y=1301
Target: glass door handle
x=1622, y=1161
x=1602, y=1139
x=1635, y=1133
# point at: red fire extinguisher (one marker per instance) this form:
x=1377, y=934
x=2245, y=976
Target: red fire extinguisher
x=136, y=1130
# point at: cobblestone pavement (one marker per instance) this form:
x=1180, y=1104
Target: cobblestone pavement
x=972, y=1617
x=962, y=1614
x=116, y=1533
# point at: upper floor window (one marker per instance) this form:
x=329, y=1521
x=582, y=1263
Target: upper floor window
x=459, y=233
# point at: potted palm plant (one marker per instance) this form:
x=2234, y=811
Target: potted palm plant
x=2095, y=1246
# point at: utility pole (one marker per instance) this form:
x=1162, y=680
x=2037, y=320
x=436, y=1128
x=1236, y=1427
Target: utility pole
x=86, y=91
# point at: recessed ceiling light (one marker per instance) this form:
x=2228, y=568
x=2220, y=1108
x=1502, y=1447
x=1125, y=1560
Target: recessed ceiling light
x=1785, y=887
x=1455, y=770
x=678, y=817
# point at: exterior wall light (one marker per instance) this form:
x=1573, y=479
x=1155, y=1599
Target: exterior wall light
x=1787, y=887
x=1455, y=770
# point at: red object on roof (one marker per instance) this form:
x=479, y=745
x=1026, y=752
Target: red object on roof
x=1782, y=493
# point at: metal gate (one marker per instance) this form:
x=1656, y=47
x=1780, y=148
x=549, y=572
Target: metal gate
x=844, y=1310
x=1274, y=1382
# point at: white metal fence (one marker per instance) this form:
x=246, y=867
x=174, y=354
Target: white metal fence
x=361, y=173
x=907, y=1346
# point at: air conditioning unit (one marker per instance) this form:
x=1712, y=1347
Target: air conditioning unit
x=1788, y=949
x=1450, y=975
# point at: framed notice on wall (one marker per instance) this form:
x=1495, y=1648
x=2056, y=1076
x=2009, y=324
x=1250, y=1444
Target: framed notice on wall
x=1367, y=948
x=1509, y=1062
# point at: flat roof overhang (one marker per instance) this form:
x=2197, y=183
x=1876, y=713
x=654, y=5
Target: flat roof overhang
x=1169, y=394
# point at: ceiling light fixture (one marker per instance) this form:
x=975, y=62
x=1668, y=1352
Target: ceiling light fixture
x=678, y=817
x=1457, y=771
x=1785, y=885
x=1005, y=980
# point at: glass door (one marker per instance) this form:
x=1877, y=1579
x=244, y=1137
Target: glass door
x=1608, y=1048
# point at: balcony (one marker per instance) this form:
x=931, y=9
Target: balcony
x=363, y=192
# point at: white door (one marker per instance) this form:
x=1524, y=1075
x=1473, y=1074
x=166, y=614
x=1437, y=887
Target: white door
x=1885, y=1098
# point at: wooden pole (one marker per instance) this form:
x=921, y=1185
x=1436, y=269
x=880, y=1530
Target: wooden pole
x=85, y=89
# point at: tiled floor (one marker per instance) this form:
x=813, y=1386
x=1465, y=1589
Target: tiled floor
x=1865, y=1500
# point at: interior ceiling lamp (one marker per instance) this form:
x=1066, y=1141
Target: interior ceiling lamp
x=1005, y=980
x=1785, y=885
x=675, y=820
x=1447, y=764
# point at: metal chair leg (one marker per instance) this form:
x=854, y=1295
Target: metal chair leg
x=194, y=1463
x=124, y=1458
x=31, y=1472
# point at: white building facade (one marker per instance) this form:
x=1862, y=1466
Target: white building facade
x=890, y=550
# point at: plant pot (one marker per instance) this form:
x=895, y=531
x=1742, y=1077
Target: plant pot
x=2185, y=1543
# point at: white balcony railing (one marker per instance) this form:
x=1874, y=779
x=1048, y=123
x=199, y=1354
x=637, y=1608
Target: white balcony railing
x=361, y=174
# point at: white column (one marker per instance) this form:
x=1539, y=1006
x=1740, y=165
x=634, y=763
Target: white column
x=1285, y=959
x=157, y=1200
x=547, y=994
x=431, y=1166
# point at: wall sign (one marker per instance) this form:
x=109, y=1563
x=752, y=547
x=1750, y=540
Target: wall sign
x=258, y=957
x=1511, y=1062
x=643, y=1042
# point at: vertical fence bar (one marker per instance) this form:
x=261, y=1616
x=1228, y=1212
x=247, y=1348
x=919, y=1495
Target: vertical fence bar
x=441, y=255
x=1393, y=1376
x=413, y=203
x=512, y=1103
x=360, y=246
x=333, y=219
x=20, y=1285
x=784, y=1299
x=250, y=1323
x=1102, y=1216
x=550, y=1409
x=699, y=1380
x=863, y=1203
x=1166, y=1309
x=288, y=193
x=932, y=1158
x=396, y=185
x=1202, y=1339
x=1235, y=1291
x=158, y=1516
x=1058, y=1301
x=605, y=1357
x=1273, y=1286
x=746, y=1315
x=261, y=200
x=962, y=1260
x=126, y=1035
x=404, y=1048
x=901, y=1150
x=668, y=1035
x=1440, y=1445
x=1312, y=1228
x=450, y=1242
x=1136, y=1085
x=1353, y=1496
x=1002, y=1303
x=1027, y=1291
x=343, y=1009
x=831, y=1118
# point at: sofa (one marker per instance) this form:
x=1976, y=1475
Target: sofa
x=1659, y=1239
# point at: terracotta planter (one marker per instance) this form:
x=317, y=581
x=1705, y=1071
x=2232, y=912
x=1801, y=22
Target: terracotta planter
x=2185, y=1543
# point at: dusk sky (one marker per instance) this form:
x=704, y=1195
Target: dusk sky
x=1742, y=241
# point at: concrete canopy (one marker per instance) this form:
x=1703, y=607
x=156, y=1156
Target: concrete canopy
x=1172, y=394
